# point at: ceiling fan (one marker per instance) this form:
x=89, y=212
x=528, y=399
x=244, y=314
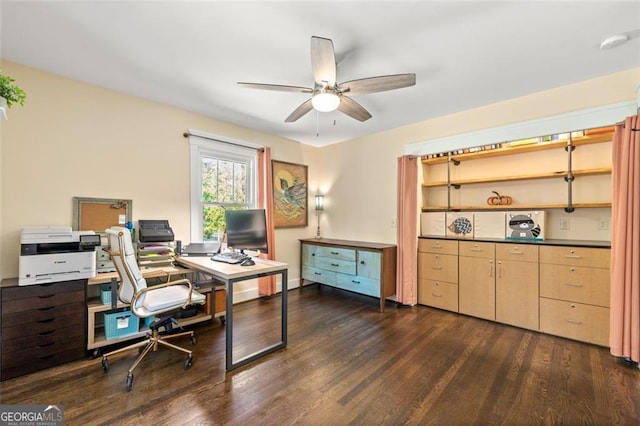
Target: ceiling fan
x=327, y=94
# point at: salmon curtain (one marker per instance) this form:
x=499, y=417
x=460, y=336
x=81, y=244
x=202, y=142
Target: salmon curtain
x=407, y=235
x=624, y=333
x=267, y=285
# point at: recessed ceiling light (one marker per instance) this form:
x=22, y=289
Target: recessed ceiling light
x=613, y=41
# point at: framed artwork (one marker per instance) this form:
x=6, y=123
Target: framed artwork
x=290, y=192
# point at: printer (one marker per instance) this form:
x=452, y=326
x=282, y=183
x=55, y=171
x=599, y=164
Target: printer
x=52, y=254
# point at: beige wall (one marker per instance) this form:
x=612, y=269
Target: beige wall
x=74, y=139
x=61, y=144
x=361, y=174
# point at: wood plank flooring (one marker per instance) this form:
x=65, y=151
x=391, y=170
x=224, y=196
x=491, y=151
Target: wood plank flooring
x=347, y=363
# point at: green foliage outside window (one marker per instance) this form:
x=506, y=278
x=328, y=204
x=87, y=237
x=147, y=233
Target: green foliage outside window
x=224, y=187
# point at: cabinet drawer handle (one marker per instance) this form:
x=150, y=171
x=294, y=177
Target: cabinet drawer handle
x=47, y=344
x=318, y=273
x=44, y=321
x=335, y=252
x=436, y=295
x=573, y=285
x=436, y=246
x=572, y=256
x=335, y=264
x=574, y=321
x=45, y=333
x=48, y=308
x=46, y=297
x=355, y=282
x=476, y=249
x=437, y=267
x=516, y=252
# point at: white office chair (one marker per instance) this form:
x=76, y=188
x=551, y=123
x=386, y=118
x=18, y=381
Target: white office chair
x=161, y=301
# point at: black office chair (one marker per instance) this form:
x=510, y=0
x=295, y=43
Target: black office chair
x=162, y=301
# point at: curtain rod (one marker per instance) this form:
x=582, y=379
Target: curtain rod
x=187, y=134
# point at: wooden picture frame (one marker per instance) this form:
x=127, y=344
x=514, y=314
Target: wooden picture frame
x=98, y=214
x=290, y=194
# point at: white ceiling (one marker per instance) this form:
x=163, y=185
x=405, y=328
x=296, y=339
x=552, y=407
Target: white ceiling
x=191, y=54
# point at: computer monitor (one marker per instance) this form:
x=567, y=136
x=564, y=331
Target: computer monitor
x=246, y=229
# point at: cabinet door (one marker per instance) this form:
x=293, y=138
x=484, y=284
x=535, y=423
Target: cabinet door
x=309, y=254
x=517, y=293
x=476, y=287
x=369, y=264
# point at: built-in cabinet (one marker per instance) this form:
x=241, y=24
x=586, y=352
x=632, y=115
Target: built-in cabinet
x=438, y=278
x=574, y=290
x=477, y=279
x=360, y=267
x=557, y=289
x=517, y=285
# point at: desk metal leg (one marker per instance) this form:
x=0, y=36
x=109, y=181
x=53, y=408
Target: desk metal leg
x=230, y=365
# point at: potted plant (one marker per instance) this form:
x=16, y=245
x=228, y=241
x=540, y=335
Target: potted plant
x=10, y=93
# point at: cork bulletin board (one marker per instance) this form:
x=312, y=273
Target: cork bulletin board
x=98, y=214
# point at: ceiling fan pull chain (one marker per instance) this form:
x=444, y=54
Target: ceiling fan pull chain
x=317, y=124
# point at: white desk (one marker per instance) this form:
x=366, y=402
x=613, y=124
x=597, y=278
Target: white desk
x=230, y=274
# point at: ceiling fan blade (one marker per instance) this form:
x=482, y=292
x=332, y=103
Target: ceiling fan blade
x=323, y=61
x=276, y=87
x=378, y=84
x=353, y=109
x=300, y=111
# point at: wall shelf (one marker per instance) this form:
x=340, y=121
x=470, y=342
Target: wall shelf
x=513, y=207
x=532, y=176
x=521, y=149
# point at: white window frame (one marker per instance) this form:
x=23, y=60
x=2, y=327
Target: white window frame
x=202, y=145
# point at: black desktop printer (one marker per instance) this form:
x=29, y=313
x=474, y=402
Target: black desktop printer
x=155, y=231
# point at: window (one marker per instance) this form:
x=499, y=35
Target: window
x=223, y=176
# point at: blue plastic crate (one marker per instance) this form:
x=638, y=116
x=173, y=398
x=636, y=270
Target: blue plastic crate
x=120, y=324
x=105, y=294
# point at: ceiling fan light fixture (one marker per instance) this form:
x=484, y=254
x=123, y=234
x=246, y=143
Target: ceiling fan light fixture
x=324, y=101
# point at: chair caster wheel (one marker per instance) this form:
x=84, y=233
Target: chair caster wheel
x=129, y=382
x=105, y=364
x=188, y=362
x=96, y=353
x=193, y=340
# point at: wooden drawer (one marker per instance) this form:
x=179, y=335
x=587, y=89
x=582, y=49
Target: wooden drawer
x=438, y=294
x=577, y=321
x=41, y=347
x=43, y=302
x=43, y=290
x=439, y=267
x=517, y=252
x=369, y=264
x=575, y=284
x=576, y=256
x=29, y=366
x=475, y=249
x=319, y=275
x=21, y=342
x=44, y=326
x=359, y=284
x=427, y=245
x=41, y=315
x=336, y=253
x=336, y=265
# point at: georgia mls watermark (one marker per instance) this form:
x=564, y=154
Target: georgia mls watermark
x=31, y=415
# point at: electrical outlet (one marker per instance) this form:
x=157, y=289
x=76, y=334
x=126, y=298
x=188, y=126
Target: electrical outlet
x=564, y=224
x=603, y=223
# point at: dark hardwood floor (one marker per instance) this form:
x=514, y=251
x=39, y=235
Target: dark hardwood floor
x=347, y=363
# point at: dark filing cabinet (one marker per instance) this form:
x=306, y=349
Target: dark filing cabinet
x=42, y=325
